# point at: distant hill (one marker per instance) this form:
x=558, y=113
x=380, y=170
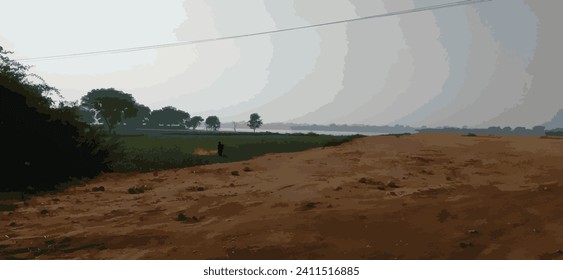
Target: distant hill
x=556, y=122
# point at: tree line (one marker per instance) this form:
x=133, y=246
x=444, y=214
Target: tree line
x=113, y=109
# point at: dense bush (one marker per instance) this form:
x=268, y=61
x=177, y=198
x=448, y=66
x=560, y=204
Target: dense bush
x=42, y=144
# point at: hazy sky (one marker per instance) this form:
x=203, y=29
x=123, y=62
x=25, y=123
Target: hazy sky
x=495, y=63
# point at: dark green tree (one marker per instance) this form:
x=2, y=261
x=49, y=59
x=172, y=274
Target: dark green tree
x=111, y=105
x=254, y=122
x=43, y=144
x=212, y=122
x=169, y=116
x=194, y=122
x=141, y=119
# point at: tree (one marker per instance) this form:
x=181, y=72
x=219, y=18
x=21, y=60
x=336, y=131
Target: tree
x=141, y=119
x=113, y=106
x=169, y=116
x=212, y=122
x=194, y=122
x=254, y=122
x=47, y=144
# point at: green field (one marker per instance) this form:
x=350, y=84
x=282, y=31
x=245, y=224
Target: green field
x=154, y=152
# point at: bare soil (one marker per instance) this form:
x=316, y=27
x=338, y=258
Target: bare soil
x=410, y=197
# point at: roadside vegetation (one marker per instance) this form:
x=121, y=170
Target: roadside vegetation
x=48, y=144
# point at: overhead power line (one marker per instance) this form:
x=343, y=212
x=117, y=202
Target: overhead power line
x=183, y=43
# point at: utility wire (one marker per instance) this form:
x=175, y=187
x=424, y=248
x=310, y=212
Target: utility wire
x=183, y=43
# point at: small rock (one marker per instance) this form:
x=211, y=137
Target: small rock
x=99, y=189
x=235, y=173
x=200, y=189
x=12, y=224
x=473, y=231
x=392, y=193
x=381, y=188
x=363, y=180
x=247, y=169
x=338, y=189
x=392, y=184
x=231, y=184
x=560, y=252
x=44, y=212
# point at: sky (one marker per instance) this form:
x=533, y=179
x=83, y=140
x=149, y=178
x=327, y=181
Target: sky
x=496, y=63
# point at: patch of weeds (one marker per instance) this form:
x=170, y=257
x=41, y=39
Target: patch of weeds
x=308, y=206
x=138, y=190
x=183, y=218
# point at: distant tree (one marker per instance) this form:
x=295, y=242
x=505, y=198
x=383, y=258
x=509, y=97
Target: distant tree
x=113, y=106
x=141, y=119
x=254, y=122
x=194, y=122
x=169, y=116
x=538, y=130
x=212, y=122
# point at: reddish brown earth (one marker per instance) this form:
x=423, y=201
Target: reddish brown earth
x=413, y=197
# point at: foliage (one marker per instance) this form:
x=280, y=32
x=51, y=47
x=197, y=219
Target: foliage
x=44, y=145
x=112, y=105
x=142, y=118
x=212, y=122
x=254, y=122
x=169, y=116
x=194, y=122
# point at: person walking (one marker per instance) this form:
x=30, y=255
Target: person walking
x=220, y=148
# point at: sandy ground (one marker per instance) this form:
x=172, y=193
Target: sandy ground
x=413, y=197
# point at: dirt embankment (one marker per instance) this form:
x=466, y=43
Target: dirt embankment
x=413, y=197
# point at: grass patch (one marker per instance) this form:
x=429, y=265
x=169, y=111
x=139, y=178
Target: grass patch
x=150, y=153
